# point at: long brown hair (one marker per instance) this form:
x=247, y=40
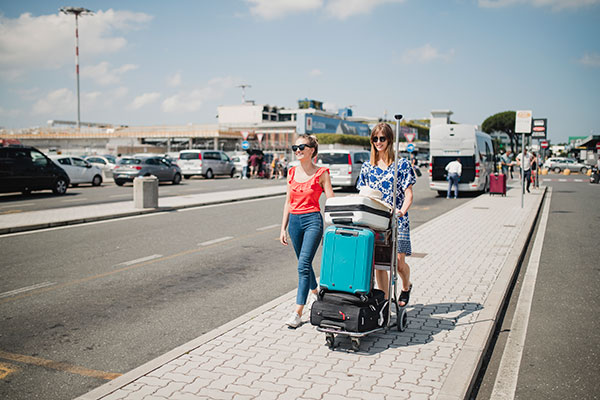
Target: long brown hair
x=388, y=152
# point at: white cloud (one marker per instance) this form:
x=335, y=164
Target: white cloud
x=104, y=75
x=119, y=92
x=425, y=54
x=343, y=9
x=144, y=100
x=57, y=102
x=271, y=9
x=193, y=100
x=174, y=80
x=315, y=72
x=555, y=5
x=47, y=41
x=590, y=60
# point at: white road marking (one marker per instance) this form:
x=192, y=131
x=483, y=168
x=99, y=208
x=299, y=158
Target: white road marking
x=18, y=205
x=508, y=371
x=223, y=239
x=26, y=289
x=563, y=180
x=140, y=260
x=266, y=228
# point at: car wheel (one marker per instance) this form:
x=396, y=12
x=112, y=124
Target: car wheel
x=119, y=182
x=583, y=170
x=176, y=179
x=209, y=174
x=557, y=170
x=60, y=186
x=97, y=181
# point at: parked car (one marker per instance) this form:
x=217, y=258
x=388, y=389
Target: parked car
x=25, y=169
x=130, y=168
x=105, y=162
x=559, y=164
x=207, y=163
x=79, y=170
x=344, y=165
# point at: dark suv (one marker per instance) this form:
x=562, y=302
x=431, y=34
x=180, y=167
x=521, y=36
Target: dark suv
x=24, y=169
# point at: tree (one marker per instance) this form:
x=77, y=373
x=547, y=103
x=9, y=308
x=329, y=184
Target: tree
x=502, y=122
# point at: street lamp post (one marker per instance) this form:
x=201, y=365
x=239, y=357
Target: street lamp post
x=77, y=11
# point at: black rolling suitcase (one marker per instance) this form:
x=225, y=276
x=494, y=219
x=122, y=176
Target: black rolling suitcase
x=350, y=312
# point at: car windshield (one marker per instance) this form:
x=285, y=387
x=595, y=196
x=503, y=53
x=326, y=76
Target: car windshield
x=332, y=158
x=130, y=161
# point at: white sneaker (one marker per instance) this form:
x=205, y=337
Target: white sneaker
x=294, y=320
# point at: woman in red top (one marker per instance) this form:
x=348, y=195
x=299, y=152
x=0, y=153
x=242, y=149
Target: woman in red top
x=302, y=217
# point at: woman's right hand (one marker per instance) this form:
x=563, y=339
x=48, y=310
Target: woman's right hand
x=283, y=237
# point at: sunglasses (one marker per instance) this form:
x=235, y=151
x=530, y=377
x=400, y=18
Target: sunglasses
x=300, y=147
x=376, y=139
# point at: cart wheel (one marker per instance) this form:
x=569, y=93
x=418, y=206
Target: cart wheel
x=401, y=318
x=330, y=339
x=355, y=344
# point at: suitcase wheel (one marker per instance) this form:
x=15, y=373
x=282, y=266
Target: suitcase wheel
x=355, y=344
x=401, y=318
x=330, y=339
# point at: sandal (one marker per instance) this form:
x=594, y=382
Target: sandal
x=404, y=296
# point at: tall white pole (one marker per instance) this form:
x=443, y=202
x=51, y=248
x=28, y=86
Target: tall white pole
x=77, y=68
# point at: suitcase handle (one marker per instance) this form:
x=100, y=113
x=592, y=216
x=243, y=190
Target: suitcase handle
x=341, y=221
x=347, y=232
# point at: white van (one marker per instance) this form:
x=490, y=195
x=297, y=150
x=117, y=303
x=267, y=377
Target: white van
x=475, y=150
x=207, y=163
x=344, y=165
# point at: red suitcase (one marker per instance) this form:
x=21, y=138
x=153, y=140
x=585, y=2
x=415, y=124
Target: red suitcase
x=498, y=184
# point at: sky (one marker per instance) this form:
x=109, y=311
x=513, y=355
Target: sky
x=155, y=62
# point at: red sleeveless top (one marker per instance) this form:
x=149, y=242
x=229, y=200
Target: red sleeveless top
x=304, y=196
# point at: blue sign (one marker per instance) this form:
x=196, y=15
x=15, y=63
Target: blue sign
x=410, y=148
x=245, y=145
x=311, y=123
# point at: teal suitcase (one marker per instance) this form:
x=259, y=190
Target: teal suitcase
x=347, y=260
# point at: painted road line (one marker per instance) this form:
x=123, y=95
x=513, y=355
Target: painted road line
x=6, y=370
x=26, y=289
x=140, y=260
x=266, y=228
x=505, y=385
x=18, y=205
x=59, y=366
x=214, y=241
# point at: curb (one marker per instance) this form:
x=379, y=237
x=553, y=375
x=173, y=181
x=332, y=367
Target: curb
x=76, y=221
x=464, y=372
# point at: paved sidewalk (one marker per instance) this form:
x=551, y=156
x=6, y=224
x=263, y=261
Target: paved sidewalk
x=462, y=267
x=31, y=220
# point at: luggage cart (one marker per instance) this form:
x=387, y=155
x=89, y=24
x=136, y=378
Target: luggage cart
x=386, y=259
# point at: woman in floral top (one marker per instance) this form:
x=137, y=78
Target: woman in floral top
x=378, y=173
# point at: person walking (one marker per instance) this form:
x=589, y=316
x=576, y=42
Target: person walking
x=378, y=173
x=454, y=169
x=302, y=217
x=506, y=162
x=524, y=161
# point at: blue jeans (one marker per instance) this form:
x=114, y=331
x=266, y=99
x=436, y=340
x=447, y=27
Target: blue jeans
x=453, y=181
x=305, y=231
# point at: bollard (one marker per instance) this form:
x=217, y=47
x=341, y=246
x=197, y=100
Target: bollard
x=567, y=171
x=145, y=192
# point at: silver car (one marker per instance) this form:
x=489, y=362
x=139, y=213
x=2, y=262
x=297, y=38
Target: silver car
x=205, y=162
x=344, y=165
x=559, y=164
x=130, y=168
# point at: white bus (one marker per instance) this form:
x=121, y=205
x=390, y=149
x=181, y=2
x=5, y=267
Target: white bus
x=475, y=150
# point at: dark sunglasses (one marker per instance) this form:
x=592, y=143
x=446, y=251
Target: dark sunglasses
x=376, y=139
x=300, y=147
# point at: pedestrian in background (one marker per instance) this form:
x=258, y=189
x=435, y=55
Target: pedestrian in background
x=525, y=164
x=302, y=217
x=454, y=170
x=506, y=163
x=378, y=173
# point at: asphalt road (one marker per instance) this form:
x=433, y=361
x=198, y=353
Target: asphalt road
x=116, y=294
x=560, y=357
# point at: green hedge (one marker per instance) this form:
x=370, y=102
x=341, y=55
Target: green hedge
x=333, y=138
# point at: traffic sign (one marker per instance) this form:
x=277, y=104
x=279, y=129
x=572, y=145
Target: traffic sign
x=540, y=126
x=409, y=137
x=598, y=146
x=523, y=121
x=410, y=147
x=544, y=144
x=245, y=134
x=245, y=145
